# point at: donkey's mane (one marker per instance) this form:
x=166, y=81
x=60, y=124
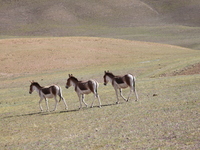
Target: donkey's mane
x=36, y=84
x=74, y=78
x=110, y=74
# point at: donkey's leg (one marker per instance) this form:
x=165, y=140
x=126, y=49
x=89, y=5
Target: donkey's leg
x=131, y=91
x=66, y=107
x=93, y=101
x=97, y=95
x=136, y=95
x=47, y=104
x=120, y=90
x=40, y=104
x=61, y=97
x=83, y=97
x=80, y=100
x=116, y=92
x=56, y=103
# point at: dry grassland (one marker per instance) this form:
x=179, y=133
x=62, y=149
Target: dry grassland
x=29, y=56
x=166, y=116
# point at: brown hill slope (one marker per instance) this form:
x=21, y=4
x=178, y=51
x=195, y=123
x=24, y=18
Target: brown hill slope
x=28, y=56
x=184, y=12
x=62, y=18
x=39, y=17
x=164, y=21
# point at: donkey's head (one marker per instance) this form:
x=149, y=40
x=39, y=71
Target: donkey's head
x=107, y=76
x=71, y=81
x=33, y=86
x=31, y=89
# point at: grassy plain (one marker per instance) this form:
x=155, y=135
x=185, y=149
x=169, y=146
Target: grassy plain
x=169, y=120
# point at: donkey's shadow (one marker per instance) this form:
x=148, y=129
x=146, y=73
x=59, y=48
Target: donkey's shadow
x=58, y=112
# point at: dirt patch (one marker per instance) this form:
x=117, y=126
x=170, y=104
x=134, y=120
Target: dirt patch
x=189, y=70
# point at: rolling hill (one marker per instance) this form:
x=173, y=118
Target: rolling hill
x=164, y=21
x=74, y=53
x=52, y=17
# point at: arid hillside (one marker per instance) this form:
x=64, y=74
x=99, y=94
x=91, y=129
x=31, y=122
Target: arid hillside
x=77, y=17
x=183, y=12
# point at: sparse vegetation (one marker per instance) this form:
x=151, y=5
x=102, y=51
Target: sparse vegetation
x=165, y=117
x=36, y=43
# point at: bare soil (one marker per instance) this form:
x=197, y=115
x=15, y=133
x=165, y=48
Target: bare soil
x=189, y=70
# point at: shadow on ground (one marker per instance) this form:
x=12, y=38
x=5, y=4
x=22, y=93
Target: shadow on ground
x=58, y=112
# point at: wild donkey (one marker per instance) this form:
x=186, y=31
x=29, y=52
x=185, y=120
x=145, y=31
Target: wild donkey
x=119, y=82
x=47, y=92
x=83, y=88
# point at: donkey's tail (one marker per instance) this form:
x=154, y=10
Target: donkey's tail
x=134, y=85
x=97, y=85
x=134, y=88
x=60, y=93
